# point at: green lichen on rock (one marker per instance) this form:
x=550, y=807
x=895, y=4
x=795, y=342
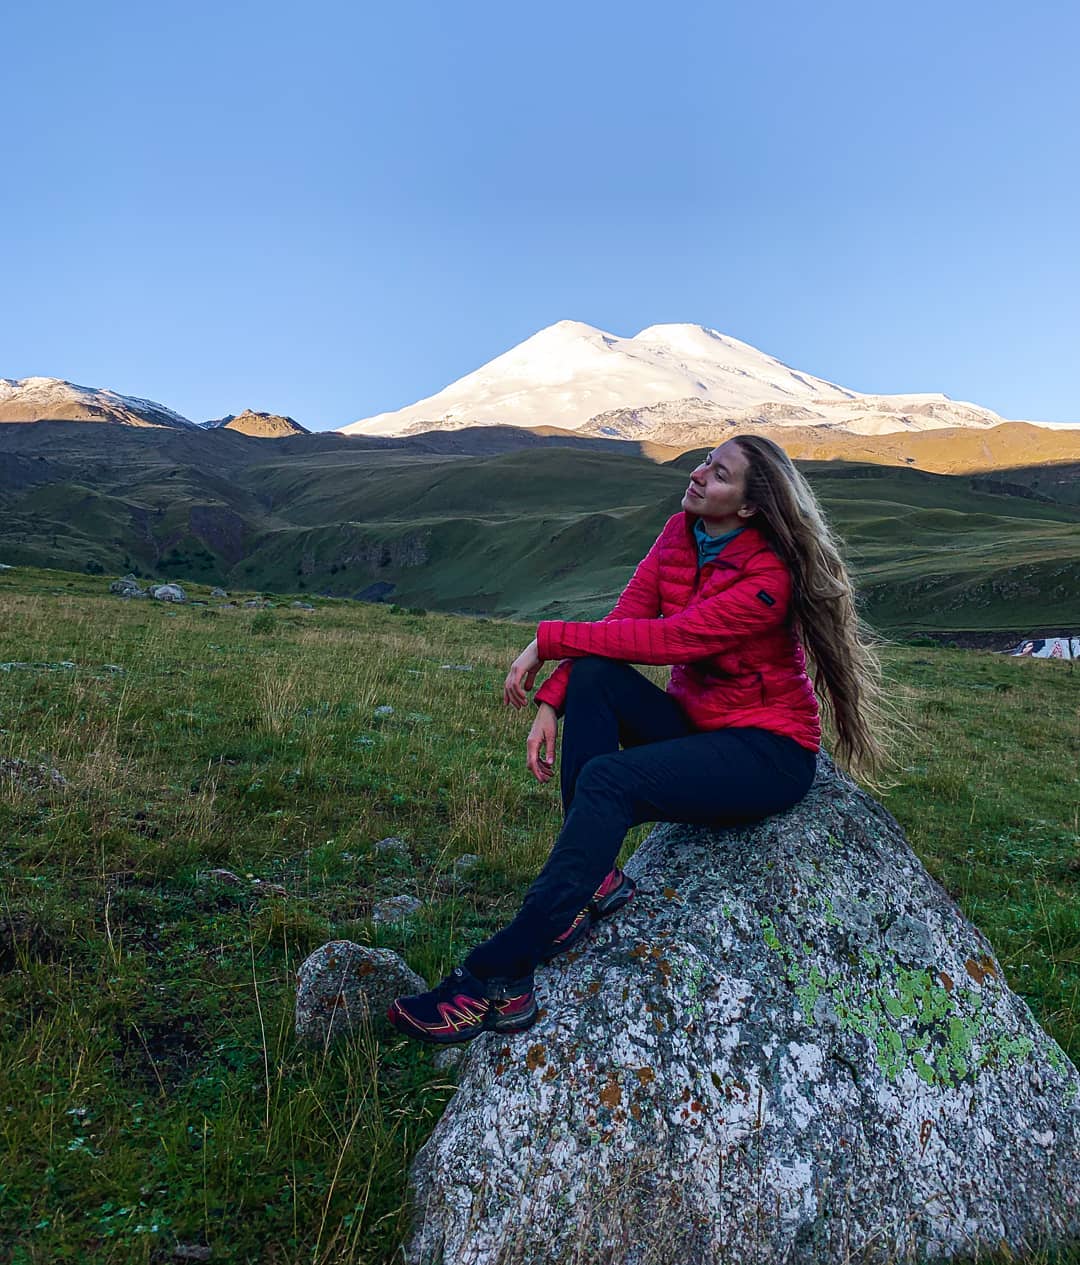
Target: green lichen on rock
x=908, y=1016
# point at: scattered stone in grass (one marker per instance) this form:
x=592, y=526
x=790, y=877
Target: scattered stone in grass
x=455, y=667
x=31, y=777
x=225, y=876
x=343, y=985
x=218, y=593
x=447, y=1060
x=459, y=871
x=4, y=566
x=65, y=665
x=268, y=889
x=301, y=606
x=393, y=846
x=256, y=603
x=395, y=909
x=384, y=710
x=111, y=667
x=167, y=593
x=191, y=1252
x=127, y=586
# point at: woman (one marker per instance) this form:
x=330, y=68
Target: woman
x=734, y=587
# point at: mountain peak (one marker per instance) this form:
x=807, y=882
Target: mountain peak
x=258, y=425
x=37, y=399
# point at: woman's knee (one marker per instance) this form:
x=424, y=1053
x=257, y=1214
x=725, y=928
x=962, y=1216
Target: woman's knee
x=602, y=774
x=592, y=672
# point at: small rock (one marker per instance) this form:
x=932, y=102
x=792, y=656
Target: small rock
x=458, y=872
x=256, y=603
x=111, y=667
x=393, y=846
x=191, y=1252
x=448, y=1059
x=31, y=777
x=168, y=593
x=225, y=876
x=464, y=864
x=128, y=586
x=395, y=909
x=4, y=566
x=342, y=985
x=268, y=889
x=384, y=710
x=455, y=667
x=301, y=606
x=218, y=593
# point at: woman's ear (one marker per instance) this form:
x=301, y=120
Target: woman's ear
x=746, y=511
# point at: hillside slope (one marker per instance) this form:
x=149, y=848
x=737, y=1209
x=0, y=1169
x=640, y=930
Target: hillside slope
x=525, y=533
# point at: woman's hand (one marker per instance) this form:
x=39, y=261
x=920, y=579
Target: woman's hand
x=521, y=676
x=540, y=745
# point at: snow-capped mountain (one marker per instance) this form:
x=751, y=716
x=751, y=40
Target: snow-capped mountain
x=53, y=399
x=577, y=377
x=258, y=425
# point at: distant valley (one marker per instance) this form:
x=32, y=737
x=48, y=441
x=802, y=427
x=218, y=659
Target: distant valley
x=518, y=525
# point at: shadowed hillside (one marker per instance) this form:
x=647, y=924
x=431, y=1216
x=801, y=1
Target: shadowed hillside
x=550, y=528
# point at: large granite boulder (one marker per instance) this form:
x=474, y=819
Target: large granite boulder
x=790, y=1047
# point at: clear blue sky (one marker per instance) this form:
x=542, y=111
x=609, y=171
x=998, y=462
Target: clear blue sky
x=331, y=209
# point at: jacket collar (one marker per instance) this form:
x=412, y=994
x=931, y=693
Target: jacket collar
x=738, y=552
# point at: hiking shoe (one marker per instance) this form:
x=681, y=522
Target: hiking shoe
x=462, y=1006
x=610, y=896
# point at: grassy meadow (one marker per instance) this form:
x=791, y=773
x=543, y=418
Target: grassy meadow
x=153, y=1092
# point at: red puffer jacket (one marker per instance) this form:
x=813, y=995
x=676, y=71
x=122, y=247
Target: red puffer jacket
x=725, y=630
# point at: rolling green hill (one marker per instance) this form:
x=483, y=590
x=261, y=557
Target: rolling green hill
x=542, y=530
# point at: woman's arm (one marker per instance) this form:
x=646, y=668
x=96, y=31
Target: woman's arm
x=755, y=603
x=639, y=600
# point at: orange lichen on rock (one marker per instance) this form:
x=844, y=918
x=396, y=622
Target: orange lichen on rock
x=980, y=969
x=535, y=1057
x=611, y=1094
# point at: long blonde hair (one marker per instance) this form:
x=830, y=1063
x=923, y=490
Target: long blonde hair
x=845, y=665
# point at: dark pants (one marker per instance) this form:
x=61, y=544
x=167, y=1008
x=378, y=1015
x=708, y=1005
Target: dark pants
x=667, y=771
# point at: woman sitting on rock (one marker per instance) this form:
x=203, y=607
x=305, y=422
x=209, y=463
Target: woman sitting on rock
x=734, y=587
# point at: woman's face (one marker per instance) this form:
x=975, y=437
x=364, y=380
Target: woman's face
x=717, y=490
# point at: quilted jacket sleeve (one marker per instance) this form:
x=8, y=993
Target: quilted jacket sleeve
x=639, y=600
x=756, y=603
